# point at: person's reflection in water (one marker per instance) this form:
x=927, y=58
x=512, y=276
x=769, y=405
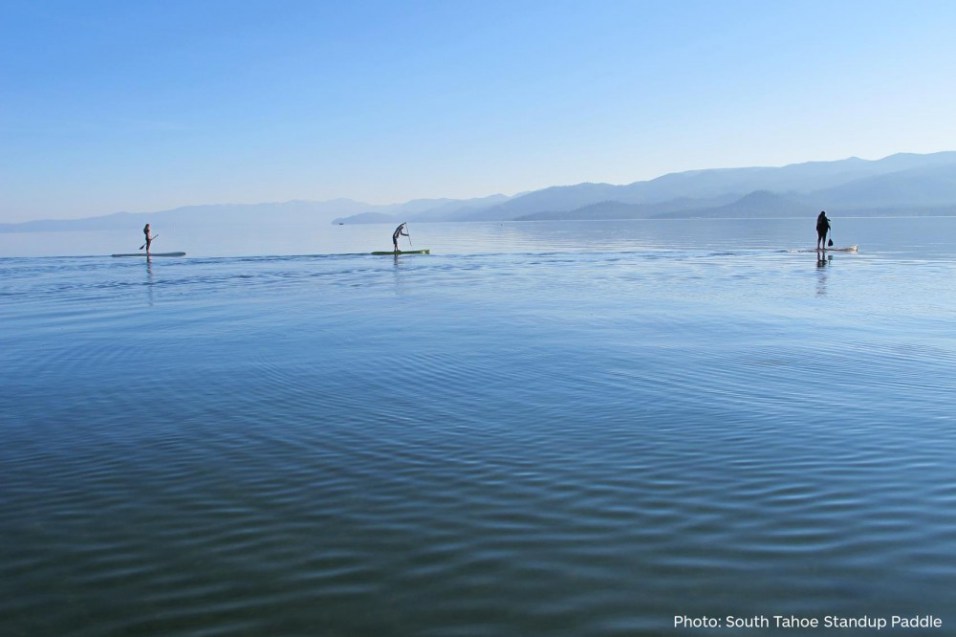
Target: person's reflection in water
x=149, y=281
x=823, y=260
x=397, y=271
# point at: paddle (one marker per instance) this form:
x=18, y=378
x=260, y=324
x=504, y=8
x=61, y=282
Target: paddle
x=152, y=239
x=409, y=237
x=830, y=240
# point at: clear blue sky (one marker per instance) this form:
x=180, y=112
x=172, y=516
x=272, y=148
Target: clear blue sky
x=146, y=105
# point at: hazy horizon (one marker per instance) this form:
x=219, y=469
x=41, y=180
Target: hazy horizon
x=115, y=107
x=328, y=205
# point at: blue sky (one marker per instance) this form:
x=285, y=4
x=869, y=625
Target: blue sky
x=140, y=106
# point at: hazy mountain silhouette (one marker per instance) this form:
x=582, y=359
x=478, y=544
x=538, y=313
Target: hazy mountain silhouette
x=916, y=187
x=621, y=210
x=200, y=216
x=904, y=183
x=424, y=210
x=759, y=204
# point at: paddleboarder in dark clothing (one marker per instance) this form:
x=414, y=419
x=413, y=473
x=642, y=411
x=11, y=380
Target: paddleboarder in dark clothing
x=823, y=227
x=149, y=239
x=399, y=231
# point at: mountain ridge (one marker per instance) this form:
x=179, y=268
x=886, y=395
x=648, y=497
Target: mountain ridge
x=902, y=183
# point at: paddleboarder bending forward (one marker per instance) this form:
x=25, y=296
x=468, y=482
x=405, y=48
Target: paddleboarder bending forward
x=399, y=232
x=149, y=239
x=823, y=227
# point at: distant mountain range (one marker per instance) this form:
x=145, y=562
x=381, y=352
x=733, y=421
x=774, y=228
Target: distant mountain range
x=901, y=184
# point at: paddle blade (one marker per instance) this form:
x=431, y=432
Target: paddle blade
x=830, y=243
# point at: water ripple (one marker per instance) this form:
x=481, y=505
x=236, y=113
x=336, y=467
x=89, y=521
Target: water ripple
x=511, y=444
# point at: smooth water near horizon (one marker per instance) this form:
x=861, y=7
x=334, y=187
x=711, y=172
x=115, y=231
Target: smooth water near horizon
x=553, y=430
x=918, y=237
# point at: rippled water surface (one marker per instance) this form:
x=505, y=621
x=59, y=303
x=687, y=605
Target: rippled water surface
x=547, y=431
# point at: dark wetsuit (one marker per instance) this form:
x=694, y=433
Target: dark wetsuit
x=823, y=227
x=399, y=231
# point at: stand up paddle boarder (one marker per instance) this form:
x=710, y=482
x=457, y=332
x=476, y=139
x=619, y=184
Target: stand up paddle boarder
x=399, y=231
x=823, y=227
x=149, y=238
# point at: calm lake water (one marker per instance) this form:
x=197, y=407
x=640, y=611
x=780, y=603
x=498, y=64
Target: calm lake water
x=539, y=429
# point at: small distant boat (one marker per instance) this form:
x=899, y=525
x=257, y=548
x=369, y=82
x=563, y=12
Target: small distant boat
x=153, y=254
x=398, y=252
